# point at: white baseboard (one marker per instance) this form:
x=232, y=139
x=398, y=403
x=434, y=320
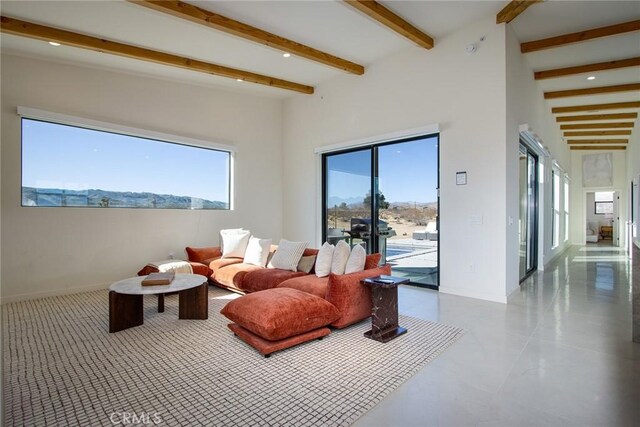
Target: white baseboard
x=52, y=293
x=473, y=294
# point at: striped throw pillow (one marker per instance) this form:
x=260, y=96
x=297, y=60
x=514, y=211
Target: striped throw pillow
x=288, y=255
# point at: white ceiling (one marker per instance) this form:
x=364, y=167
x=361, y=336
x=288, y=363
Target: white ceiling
x=331, y=26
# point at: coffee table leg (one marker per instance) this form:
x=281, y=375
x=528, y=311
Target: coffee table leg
x=125, y=311
x=194, y=303
x=160, y=303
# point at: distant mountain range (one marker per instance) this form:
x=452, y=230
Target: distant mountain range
x=113, y=199
x=354, y=202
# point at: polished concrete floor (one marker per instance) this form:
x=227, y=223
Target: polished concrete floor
x=559, y=354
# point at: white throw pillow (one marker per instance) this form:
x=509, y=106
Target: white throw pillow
x=356, y=260
x=234, y=243
x=324, y=259
x=288, y=255
x=340, y=257
x=257, y=251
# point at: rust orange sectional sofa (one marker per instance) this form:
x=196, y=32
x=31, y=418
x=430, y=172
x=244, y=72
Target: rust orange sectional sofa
x=345, y=292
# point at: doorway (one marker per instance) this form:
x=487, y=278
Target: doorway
x=602, y=217
x=528, y=220
x=385, y=198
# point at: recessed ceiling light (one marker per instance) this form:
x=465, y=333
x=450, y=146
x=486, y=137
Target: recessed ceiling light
x=239, y=80
x=286, y=54
x=591, y=78
x=54, y=43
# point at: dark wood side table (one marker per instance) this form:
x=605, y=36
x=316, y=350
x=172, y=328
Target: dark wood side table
x=384, y=312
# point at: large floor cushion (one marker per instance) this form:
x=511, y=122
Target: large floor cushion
x=267, y=347
x=276, y=314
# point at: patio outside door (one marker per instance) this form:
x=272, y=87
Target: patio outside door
x=403, y=177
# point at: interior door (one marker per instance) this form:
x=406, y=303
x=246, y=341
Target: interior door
x=615, y=221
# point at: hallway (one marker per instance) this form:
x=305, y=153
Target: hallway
x=560, y=353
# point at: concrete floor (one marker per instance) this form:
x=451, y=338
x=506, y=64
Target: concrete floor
x=559, y=354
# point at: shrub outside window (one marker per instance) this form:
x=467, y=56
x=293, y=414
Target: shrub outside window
x=70, y=166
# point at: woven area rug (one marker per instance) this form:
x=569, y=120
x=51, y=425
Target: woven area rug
x=62, y=367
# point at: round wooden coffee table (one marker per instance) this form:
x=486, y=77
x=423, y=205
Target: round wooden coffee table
x=126, y=304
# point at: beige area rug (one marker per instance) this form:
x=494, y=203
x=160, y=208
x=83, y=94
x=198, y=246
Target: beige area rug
x=62, y=367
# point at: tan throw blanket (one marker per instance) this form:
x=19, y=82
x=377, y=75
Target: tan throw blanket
x=175, y=265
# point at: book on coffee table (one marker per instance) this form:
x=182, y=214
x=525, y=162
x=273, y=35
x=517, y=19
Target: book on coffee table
x=155, y=279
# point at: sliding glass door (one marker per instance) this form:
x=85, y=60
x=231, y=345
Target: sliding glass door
x=402, y=176
x=528, y=222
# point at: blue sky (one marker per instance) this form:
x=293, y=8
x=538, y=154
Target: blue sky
x=57, y=156
x=408, y=172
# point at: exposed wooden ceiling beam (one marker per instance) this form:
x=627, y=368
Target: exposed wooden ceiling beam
x=597, y=141
x=596, y=107
x=599, y=133
x=592, y=91
x=513, y=9
x=598, y=126
x=603, y=147
x=580, y=36
x=589, y=68
x=588, y=117
x=213, y=20
x=389, y=19
x=41, y=32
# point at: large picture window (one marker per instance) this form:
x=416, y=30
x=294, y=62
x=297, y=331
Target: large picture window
x=71, y=166
x=555, y=220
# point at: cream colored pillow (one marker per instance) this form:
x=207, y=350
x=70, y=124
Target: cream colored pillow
x=288, y=255
x=234, y=243
x=356, y=260
x=324, y=259
x=340, y=257
x=257, y=251
x=306, y=264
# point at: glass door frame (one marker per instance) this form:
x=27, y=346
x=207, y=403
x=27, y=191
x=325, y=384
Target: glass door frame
x=373, y=147
x=533, y=237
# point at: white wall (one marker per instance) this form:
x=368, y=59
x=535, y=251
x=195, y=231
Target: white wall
x=465, y=94
x=56, y=250
x=526, y=105
x=633, y=174
x=579, y=193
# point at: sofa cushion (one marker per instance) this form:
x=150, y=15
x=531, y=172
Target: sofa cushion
x=356, y=260
x=288, y=255
x=266, y=278
x=372, y=261
x=306, y=264
x=234, y=243
x=280, y=313
x=350, y=297
x=202, y=254
x=340, y=257
x=233, y=275
x=218, y=263
x=309, y=283
x=325, y=256
x=257, y=251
